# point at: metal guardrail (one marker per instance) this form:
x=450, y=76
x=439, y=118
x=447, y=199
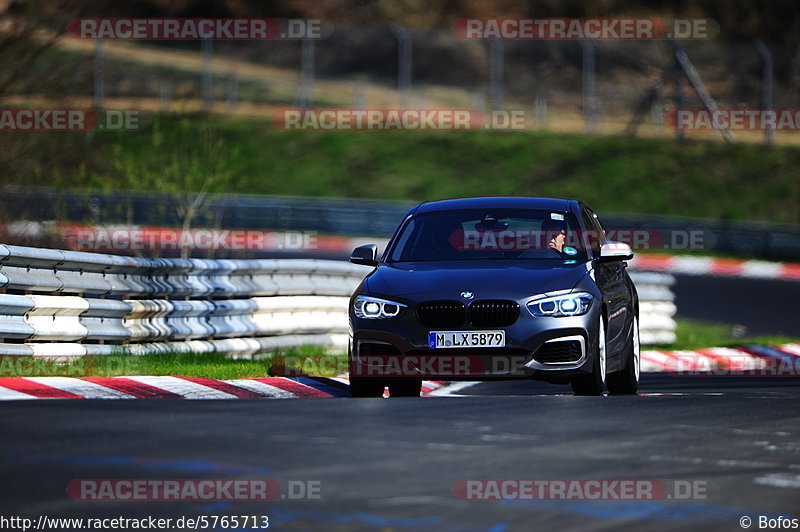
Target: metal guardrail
x=350, y=216
x=656, y=307
x=65, y=303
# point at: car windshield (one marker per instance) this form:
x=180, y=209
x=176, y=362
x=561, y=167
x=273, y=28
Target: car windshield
x=488, y=234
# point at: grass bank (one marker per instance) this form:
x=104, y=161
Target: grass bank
x=696, y=334
x=613, y=173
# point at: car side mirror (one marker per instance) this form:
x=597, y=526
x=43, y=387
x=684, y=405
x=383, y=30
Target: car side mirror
x=615, y=251
x=366, y=255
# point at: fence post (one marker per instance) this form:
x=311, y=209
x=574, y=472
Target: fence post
x=479, y=101
x=588, y=85
x=99, y=68
x=403, y=64
x=680, y=96
x=540, y=111
x=657, y=116
x=766, y=95
x=420, y=99
x=496, y=74
x=165, y=94
x=232, y=92
x=307, y=74
x=207, y=78
x=686, y=66
x=358, y=96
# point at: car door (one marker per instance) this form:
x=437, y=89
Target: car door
x=610, y=277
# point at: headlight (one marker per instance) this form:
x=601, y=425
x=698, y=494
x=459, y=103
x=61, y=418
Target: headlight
x=573, y=304
x=373, y=308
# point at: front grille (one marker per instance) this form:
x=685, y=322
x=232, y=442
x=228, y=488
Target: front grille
x=441, y=314
x=554, y=352
x=493, y=313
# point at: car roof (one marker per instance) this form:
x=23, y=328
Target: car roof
x=495, y=202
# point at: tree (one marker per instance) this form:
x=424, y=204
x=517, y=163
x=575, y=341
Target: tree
x=187, y=174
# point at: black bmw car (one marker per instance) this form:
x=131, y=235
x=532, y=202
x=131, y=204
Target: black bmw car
x=495, y=288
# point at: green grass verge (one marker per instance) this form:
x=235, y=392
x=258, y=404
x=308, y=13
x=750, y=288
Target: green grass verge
x=309, y=360
x=613, y=173
x=694, y=334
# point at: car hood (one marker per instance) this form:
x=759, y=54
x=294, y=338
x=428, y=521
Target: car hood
x=485, y=279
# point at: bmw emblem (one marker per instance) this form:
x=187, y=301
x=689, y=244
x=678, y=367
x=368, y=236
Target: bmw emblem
x=467, y=295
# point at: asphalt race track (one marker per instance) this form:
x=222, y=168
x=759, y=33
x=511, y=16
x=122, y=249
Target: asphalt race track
x=391, y=464
x=763, y=306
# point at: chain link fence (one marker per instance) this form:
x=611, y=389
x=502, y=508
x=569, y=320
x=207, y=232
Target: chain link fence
x=597, y=87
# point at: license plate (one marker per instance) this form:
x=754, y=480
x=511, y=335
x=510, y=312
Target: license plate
x=451, y=339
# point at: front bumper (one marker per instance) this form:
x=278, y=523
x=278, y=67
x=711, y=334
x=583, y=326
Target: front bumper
x=552, y=349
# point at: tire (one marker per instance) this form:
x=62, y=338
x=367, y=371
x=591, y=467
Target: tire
x=592, y=384
x=366, y=387
x=405, y=387
x=626, y=381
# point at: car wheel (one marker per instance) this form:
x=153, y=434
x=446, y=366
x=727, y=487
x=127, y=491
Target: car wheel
x=405, y=387
x=626, y=381
x=366, y=387
x=592, y=384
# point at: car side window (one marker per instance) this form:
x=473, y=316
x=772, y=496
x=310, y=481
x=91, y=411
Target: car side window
x=600, y=231
x=594, y=234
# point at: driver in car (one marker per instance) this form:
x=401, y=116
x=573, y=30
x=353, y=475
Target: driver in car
x=556, y=231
